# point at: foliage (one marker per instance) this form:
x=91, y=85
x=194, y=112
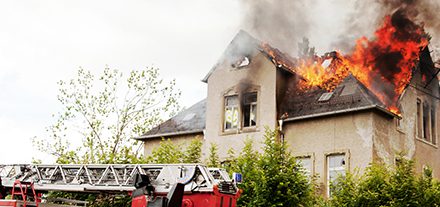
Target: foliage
x=166, y=152
x=387, y=186
x=213, y=158
x=193, y=152
x=271, y=178
x=106, y=111
x=281, y=182
x=96, y=200
x=246, y=163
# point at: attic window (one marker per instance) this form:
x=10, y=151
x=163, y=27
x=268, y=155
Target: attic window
x=242, y=62
x=325, y=97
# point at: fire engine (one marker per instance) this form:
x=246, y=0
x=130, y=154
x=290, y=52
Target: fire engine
x=150, y=185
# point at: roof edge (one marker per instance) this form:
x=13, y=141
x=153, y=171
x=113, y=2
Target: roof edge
x=342, y=112
x=168, y=134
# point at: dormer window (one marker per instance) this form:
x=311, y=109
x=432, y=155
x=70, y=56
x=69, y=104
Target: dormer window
x=242, y=62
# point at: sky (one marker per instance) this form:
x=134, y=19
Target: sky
x=42, y=42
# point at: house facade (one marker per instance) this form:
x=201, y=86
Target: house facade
x=328, y=132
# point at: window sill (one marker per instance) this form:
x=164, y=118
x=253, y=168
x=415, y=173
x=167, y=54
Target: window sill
x=426, y=142
x=237, y=131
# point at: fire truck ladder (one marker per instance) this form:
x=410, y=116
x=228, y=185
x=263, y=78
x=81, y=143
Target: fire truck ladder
x=106, y=177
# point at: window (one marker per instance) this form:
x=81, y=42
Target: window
x=231, y=112
x=335, y=167
x=250, y=110
x=426, y=121
x=419, y=118
x=433, y=126
x=306, y=165
x=240, y=111
x=399, y=122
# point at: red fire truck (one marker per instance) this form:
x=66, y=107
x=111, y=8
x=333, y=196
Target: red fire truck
x=150, y=185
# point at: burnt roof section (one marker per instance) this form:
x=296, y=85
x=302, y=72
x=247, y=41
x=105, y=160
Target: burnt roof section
x=349, y=96
x=189, y=121
x=244, y=44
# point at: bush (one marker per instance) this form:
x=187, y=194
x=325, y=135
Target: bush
x=387, y=186
x=272, y=178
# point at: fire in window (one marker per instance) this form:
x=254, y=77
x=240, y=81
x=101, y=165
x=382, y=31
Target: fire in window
x=250, y=110
x=335, y=168
x=231, y=112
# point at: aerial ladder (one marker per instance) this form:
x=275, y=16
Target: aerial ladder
x=150, y=185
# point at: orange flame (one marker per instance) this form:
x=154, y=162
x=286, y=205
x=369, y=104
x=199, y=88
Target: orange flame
x=384, y=65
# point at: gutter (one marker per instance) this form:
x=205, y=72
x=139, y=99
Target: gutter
x=343, y=111
x=168, y=134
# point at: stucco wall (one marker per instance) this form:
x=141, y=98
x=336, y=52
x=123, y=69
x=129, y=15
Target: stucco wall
x=391, y=139
x=351, y=134
x=183, y=140
x=260, y=75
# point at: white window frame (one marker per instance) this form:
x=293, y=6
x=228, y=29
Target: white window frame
x=231, y=108
x=308, y=172
x=345, y=168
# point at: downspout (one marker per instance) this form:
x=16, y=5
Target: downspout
x=280, y=123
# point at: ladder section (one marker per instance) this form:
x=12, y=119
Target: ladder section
x=106, y=177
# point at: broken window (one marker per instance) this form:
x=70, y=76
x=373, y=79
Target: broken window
x=426, y=121
x=335, y=168
x=250, y=109
x=419, y=118
x=242, y=62
x=231, y=112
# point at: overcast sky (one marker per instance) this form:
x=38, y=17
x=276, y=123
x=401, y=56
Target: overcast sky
x=42, y=42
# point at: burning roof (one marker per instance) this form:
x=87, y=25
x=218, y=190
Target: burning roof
x=384, y=65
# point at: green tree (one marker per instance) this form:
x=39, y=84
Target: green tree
x=106, y=111
x=247, y=164
x=193, y=152
x=280, y=180
x=213, y=158
x=166, y=152
x=384, y=185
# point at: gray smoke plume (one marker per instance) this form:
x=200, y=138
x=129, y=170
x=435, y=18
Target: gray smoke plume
x=330, y=25
x=368, y=14
x=281, y=23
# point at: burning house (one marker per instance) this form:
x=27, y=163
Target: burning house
x=337, y=112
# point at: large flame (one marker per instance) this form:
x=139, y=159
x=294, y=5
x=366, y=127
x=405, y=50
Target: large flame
x=384, y=64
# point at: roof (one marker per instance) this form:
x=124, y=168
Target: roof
x=244, y=44
x=189, y=121
x=349, y=96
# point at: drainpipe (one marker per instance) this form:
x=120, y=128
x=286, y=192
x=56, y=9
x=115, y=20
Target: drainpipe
x=280, y=124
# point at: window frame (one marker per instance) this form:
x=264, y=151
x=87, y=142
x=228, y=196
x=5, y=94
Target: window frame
x=346, y=154
x=225, y=107
x=240, y=106
x=252, y=105
x=310, y=156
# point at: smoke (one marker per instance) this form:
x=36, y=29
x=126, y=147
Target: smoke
x=281, y=23
x=367, y=14
x=335, y=24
